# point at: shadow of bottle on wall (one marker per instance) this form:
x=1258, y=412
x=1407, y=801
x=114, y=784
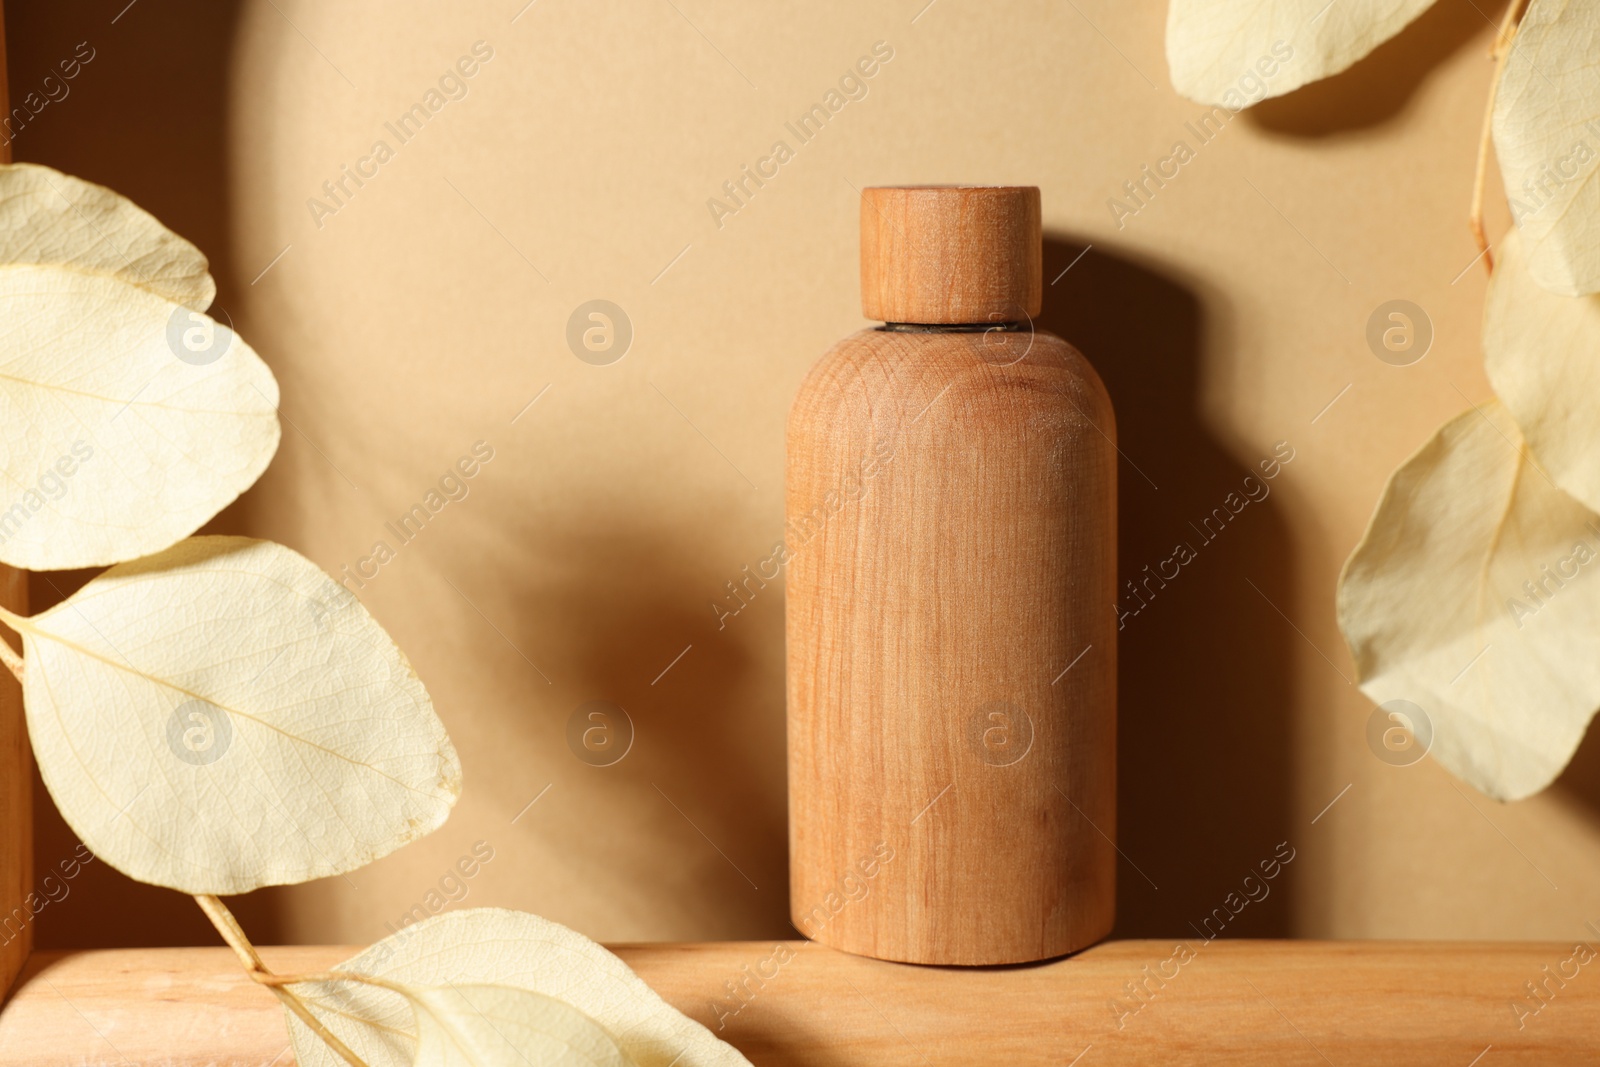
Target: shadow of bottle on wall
x=1204, y=666
x=686, y=833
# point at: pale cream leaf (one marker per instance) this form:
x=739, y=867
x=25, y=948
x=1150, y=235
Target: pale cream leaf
x=52, y=219
x=1542, y=354
x=126, y=420
x=492, y=946
x=1547, y=137
x=1234, y=53
x=223, y=716
x=1475, y=595
x=487, y=1025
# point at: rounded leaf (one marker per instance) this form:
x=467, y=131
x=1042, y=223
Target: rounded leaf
x=502, y=1026
x=52, y=219
x=1547, y=137
x=1473, y=596
x=1542, y=353
x=126, y=420
x=1239, y=52
x=223, y=716
x=481, y=947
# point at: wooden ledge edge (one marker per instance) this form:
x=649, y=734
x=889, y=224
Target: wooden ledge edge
x=791, y=1002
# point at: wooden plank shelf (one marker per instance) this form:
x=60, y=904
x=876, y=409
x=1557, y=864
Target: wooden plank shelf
x=1278, y=1003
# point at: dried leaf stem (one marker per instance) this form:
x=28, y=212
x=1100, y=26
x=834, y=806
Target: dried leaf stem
x=234, y=935
x=1500, y=53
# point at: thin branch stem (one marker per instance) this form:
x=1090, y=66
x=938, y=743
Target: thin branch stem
x=268, y=978
x=231, y=931
x=296, y=1005
x=1500, y=53
x=234, y=935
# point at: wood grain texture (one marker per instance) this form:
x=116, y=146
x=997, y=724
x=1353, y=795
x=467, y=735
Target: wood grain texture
x=16, y=805
x=16, y=757
x=952, y=648
x=950, y=254
x=1246, y=1003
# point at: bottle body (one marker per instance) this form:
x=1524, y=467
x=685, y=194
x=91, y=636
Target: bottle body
x=950, y=501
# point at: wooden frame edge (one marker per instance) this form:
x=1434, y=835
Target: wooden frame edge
x=1241, y=1002
x=16, y=757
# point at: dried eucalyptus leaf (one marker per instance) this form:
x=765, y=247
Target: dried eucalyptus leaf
x=1547, y=136
x=502, y=1026
x=1542, y=352
x=126, y=420
x=223, y=716
x=52, y=219
x=1235, y=53
x=1472, y=596
x=491, y=946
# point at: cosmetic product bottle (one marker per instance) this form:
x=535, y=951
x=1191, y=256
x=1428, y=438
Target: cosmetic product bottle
x=951, y=526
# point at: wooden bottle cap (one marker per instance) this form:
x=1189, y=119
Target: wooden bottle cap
x=950, y=253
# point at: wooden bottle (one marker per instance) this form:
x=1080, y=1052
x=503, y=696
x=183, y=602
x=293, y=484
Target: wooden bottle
x=951, y=519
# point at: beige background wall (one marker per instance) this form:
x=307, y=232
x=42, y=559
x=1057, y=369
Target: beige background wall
x=432, y=307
